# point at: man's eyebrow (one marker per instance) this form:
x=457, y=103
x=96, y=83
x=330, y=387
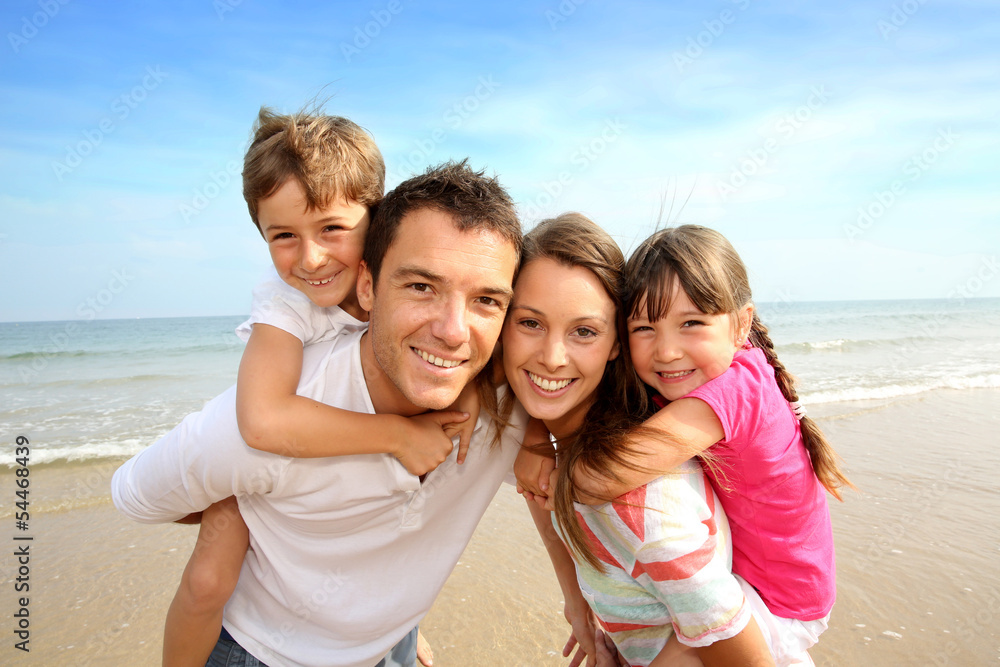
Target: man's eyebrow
x=406, y=272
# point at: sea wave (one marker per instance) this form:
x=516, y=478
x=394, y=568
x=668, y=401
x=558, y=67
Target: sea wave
x=855, y=393
x=80, y=453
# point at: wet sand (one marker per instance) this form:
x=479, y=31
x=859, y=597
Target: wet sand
x=918, y=557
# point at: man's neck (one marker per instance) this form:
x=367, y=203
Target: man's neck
x=386, y=398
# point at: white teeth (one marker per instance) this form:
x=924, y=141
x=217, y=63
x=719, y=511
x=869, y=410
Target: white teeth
x=670, y=376
x=437, y=361
x=317, y=283
x=548, y=385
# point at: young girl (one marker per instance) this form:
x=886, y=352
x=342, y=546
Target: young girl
x=311, y=183
x=696, y=341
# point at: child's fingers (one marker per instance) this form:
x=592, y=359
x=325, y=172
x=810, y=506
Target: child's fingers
x=443, y=417
x=463, y=445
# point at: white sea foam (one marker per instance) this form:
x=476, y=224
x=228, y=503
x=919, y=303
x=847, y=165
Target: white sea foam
x=896, y=390
x=88, y=452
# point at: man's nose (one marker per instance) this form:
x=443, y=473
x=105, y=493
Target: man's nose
x=452, y=324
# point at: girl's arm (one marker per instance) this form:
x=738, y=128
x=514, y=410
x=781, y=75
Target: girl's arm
x=272, y=418
x=684, y=428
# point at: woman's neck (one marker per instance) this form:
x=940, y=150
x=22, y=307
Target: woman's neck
x=571, y=422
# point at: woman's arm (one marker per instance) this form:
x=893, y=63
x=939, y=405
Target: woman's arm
x=684, y=428
x=577, y=611
x=273, y=418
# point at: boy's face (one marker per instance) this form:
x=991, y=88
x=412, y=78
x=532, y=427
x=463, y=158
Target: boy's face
x=316, y=251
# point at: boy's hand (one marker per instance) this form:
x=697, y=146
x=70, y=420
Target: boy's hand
x=467, y=402
x=425, y=443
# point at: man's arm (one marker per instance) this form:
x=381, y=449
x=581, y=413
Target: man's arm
x=201, y=461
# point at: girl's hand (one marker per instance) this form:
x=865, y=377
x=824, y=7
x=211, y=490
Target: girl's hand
x=532, y=471
x=424, y=444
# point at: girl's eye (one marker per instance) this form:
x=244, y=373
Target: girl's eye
x=693, y=323
x=332, y=228
x=639, y=328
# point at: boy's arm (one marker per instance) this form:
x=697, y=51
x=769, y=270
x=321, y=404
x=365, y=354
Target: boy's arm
x=273, y=418
x=467, y=403
x=684, y=428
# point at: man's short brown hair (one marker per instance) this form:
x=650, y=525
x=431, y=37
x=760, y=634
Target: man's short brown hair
x=329, y=156
x=475, y=200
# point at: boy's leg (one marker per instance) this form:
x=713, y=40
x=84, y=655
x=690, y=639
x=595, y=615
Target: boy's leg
x=194, y=619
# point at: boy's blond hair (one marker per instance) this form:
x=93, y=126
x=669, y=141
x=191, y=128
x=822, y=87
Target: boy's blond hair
x=329, y=156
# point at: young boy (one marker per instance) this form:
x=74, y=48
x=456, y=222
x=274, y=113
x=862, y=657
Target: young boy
x=311, y=182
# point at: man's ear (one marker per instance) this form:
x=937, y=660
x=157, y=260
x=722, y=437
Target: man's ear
x=366, y=287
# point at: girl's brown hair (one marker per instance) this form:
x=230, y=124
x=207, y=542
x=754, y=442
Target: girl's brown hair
x=711, y=273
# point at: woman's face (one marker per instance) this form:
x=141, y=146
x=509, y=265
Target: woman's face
x=559, y=335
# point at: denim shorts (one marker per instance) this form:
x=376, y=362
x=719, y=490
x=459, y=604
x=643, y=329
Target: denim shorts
x=227, y=653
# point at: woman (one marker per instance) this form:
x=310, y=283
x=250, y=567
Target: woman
x=656, y=562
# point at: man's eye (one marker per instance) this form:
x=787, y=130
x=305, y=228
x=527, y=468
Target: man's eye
x=488, y=301
x=420, y=287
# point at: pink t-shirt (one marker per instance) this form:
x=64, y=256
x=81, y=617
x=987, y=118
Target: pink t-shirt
x=782, y=538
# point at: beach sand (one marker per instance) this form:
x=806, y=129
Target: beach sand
x=918, y=556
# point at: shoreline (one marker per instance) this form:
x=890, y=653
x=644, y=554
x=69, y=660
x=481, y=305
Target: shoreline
x=917, y=554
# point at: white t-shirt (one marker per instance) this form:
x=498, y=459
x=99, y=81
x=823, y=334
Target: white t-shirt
x=280, y=305
x=346, y=553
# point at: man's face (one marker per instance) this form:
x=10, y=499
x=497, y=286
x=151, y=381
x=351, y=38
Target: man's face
x=437, y=309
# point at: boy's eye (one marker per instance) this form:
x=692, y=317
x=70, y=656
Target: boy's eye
x=282, y=235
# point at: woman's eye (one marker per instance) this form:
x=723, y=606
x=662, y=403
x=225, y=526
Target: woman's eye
x=584, y=332
x=530, y=324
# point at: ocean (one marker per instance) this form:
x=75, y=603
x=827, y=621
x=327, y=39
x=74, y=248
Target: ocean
x=83, y=391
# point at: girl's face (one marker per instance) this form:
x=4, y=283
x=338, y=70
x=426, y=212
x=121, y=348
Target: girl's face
x=686, y=348
x=559, y=335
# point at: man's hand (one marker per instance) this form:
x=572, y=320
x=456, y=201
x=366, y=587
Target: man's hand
x=424, y=444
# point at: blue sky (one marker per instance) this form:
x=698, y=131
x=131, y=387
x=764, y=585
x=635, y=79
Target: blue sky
x=848, y=151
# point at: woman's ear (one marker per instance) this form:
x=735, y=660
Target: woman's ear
x=615, y=351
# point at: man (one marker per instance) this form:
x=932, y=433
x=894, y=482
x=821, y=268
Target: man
x=347, y=554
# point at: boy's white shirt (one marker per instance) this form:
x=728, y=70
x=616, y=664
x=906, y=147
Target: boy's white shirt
x=280, y=305
x=346, y=553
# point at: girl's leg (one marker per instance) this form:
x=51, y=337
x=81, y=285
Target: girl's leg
x=194, y=619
